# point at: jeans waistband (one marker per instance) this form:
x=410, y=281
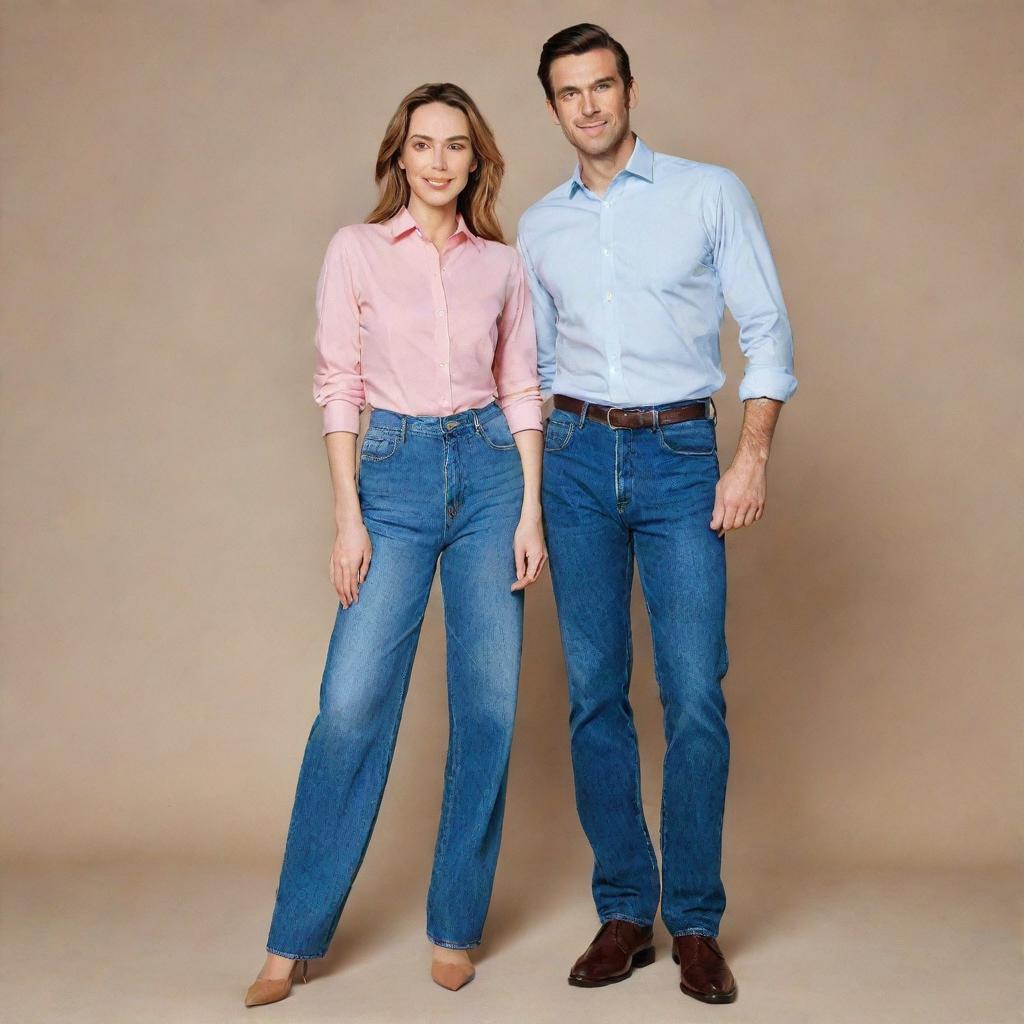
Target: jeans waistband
x=435, y=426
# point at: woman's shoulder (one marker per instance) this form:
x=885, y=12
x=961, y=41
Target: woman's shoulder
x=355, y=239
x=500, y=251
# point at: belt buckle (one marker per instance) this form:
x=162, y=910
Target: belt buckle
x=608, y=417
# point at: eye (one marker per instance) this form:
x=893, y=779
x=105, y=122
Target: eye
x=419, y=145
x=604, y=85
x=458, y=145
x=569, y=94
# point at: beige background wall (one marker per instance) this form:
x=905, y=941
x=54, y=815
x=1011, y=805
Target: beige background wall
x=172, y=173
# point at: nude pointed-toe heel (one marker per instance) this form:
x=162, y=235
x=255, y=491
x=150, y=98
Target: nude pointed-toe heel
x=266, y=990
x=452, y=976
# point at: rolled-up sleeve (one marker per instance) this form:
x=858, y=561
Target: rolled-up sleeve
x=750, y=286
x=515, y=355
x=337, y=380
x=544, y=320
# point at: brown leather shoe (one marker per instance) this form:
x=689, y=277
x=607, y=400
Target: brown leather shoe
x=703, y=972
x=618, y=947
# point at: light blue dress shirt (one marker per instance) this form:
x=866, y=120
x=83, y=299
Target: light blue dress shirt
x=629, y=289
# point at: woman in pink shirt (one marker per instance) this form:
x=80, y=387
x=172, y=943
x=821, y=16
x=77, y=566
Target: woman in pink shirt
x=424, y=314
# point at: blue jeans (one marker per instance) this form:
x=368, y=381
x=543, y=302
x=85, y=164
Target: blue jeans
x=430, y=488
x=610, y=494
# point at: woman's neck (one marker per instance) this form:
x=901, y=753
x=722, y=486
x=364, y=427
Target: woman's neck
x=436, y=222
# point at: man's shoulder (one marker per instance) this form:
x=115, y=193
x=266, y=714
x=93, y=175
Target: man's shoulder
x=556, y=197
x=668, y=167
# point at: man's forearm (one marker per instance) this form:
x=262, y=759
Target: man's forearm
x=741, y=493
x=759, y=418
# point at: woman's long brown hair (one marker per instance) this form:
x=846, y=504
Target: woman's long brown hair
x=477, y=200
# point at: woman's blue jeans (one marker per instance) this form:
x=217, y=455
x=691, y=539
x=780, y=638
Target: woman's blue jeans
x=611, y=495
x=430, y=488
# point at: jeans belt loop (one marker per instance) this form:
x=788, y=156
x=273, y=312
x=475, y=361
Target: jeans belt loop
x=476, y=422
x=713, y=411
x=654, y=421
x=405, y=420
x=583, y=415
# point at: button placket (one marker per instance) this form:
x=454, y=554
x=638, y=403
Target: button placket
x=613, y=353
x=442, y=333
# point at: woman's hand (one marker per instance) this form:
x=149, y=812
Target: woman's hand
x=350, y=560
x=531, y=555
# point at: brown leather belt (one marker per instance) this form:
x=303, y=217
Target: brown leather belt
x=635, y=418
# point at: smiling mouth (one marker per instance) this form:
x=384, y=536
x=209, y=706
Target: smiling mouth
x=438, y=182
x=593, y=128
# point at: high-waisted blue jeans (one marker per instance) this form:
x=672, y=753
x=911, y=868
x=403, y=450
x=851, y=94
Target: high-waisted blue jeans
x=609, y=495
x=430, y=488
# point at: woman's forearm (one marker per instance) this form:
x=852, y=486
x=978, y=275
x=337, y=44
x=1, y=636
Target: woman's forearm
x=341, y=456
x=531, y=453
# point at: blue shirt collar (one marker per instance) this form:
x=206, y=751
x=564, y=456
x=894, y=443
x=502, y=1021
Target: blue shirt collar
x=640, y=165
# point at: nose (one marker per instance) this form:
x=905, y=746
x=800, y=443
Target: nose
x=440, y=158
x=590, y=104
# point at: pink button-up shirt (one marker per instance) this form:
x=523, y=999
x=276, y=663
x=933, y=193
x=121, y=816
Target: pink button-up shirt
x=424, y=333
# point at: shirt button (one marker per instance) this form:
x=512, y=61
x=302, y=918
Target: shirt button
x=608, y=297
x=442, y=364
x=440, y=312
x=606, y=250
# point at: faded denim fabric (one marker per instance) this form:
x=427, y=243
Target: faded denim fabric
x=611, y=495
x=430, y=488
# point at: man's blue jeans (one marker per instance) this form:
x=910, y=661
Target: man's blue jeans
x=610, y=494
x=430, y=488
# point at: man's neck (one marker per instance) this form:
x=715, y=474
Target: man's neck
x=597, y=172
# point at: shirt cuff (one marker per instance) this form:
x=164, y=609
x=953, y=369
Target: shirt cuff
x=341, y=415
x=523, y=412
x=767, y=382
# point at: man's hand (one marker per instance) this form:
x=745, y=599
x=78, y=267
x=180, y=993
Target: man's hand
x=743, y=487
x=739, y=496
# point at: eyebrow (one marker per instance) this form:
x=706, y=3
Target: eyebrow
x=593, y=85
x=453, y=138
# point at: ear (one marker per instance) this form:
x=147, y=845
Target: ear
x=552, y=112
x=633, y=96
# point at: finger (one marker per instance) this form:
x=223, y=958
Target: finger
x=520, y=561
x=365, y=567
x=751, y=516
x=538, y=566
x=346, y=584
x=718, y=515
x=336, y=580
x=760, y=512
x=738, y=514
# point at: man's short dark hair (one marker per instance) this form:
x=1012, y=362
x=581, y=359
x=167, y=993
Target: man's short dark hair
x=579, y=39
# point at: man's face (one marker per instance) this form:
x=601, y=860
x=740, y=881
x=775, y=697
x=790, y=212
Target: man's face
x=591, y=103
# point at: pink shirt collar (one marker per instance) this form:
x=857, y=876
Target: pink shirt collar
x=403, y=223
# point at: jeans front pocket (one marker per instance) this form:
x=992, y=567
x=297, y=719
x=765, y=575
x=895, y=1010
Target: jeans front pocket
x=558, y=433
x=380, y=443
x=691, y=437
x=496, y=432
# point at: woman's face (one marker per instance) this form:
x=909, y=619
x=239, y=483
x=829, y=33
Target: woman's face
x=437, y=156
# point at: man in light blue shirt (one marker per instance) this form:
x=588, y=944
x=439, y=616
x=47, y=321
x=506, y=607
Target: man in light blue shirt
x=631, y=264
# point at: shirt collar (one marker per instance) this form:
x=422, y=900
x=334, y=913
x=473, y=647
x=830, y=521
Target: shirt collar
x=403, y=224
x=640, y=165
